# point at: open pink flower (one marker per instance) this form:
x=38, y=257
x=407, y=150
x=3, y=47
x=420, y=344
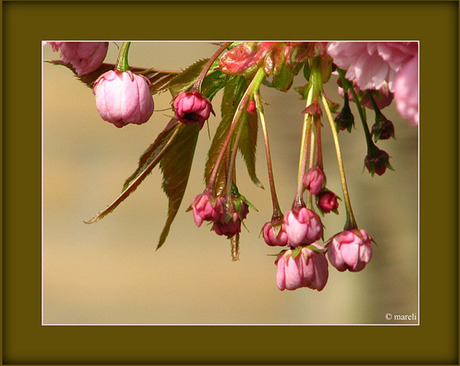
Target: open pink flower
x=307, y=269
x=350, y=249
x=123, y=98
x=406, y=91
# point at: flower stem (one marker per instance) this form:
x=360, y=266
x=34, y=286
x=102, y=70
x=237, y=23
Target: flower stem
x=231, y=168
x=203, y=73
x=253, y=86
x=306, y=131
x=277, y=214
x=351, y=222
x=122, y=60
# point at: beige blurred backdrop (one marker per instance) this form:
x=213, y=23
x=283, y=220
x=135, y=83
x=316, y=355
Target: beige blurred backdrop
x=110, y=273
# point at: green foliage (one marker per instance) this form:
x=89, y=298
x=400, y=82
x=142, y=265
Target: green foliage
x=283, y=80
x=176, y=165
x=184, y=81
x=159, y=79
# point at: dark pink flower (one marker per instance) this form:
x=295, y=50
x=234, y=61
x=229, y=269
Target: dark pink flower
x=314, y=180
x=327, y=201
x=274, y=234
x=206, y=208
x=84, y=57
x=227, y=222
x=192, y=107
x=309, y=268
x=303, y=227
x=123, y=98
x=406, y=91
x=377, y=162
x=350, y=249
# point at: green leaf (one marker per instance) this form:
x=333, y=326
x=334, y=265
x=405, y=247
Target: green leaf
x=184, y=80
x=248, y=145
x=159, y=79
x=233, y=93
x=214, y=82
x=147, y=162
x=284, y=79
x=176, y=165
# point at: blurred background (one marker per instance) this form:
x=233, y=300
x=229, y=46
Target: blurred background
x=110, y=273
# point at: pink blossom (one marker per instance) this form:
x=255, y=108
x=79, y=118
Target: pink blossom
x=370, y=64
x=350, y=249
x=327, y=201
x=272, y=237
x=303, y=227
x=382, y=97
x=406, y=91
x=192, y=108
x=54, y=45
x=206, y=208
x=123, y=98
x=84, y=57
x=314, y=180
x=308, y=269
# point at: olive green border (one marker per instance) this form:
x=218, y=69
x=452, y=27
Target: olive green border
x=25, y=341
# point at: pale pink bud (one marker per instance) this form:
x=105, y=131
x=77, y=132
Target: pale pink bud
x=84, y=57
x=204, y=209
x=308, y=269
x=350, y=249
x=274, y=237
x=123, y=98
x=191, y=108
x=303, y=227
x=314, y=180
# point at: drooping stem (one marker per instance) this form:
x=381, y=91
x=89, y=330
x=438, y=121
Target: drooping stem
x=204, y=71
x=306, y=131
x=351, y=222
x=122, y=60
x=253, y=86
x=231, y=168
x=277, y=214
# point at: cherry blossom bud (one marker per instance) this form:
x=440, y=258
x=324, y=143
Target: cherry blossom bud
x=377, y=162
x=228, y=223
x=123, y=98
x=350, y=249
x=251, y=108
x=383, y=128
x=327, y=201
x=274, y=234
x=302, y=267
x=345, y=120
x=314, y=180
x=206, y=208
x=84, y=57
x=303, y=227
x=192, y=107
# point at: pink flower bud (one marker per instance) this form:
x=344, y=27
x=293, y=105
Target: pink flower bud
x=123, y=98
x=84, y=57
x=228, y=225
x=350, y=249
x=377, y=162
x=303, y=227
x=314, y=180
x=308, y=269
x=251, y=108
x=273, y=237
x=191, y=108
x=327, y=201
x=204, y=209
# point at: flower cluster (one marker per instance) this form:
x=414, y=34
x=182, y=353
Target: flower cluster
x=368, y=74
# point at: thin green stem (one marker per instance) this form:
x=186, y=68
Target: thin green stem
x=351, y=222
x=232, y=167
x=122, y=60
x=253, y=86
x=276, y=206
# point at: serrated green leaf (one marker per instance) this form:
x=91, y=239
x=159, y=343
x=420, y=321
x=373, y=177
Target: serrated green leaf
x=176, y=165
x=212, y=83
x=159, y=79
x=233, y=93
x=147, y=162
x=248, y=145
x=184, y=81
